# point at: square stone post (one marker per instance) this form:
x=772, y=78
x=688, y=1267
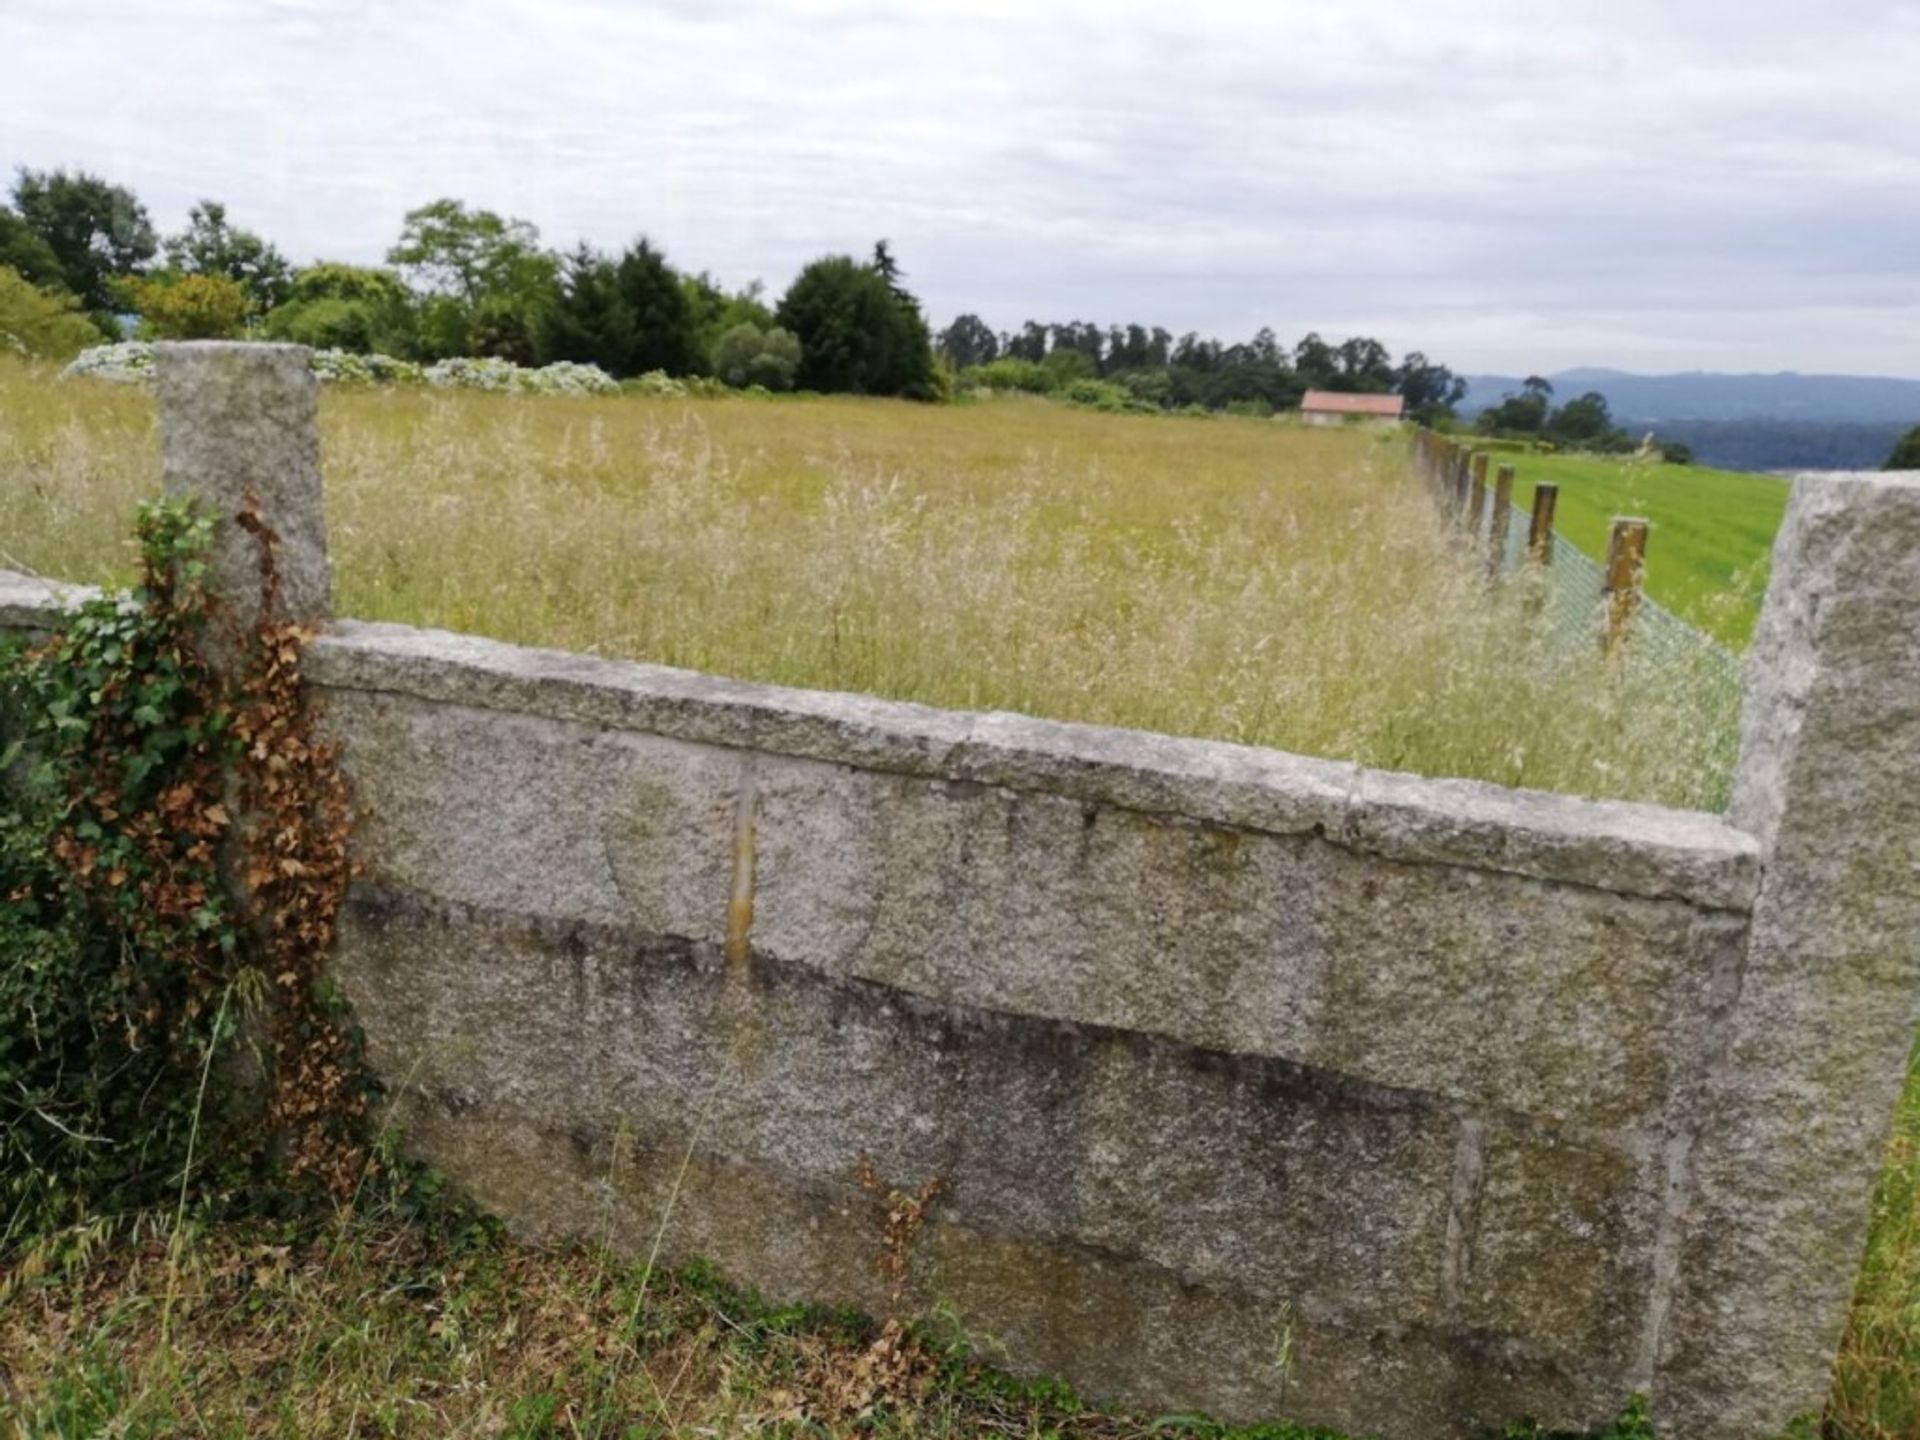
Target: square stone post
x=1810, y=1061
x=238, y=417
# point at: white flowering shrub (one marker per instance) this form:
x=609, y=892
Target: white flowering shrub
x=344, y=367
x=564, y=377
x=128, y=363
x=132, y=362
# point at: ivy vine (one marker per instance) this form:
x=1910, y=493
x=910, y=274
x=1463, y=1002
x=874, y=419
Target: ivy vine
x=172, y=856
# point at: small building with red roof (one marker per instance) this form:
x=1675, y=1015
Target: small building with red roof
x=1334, y=407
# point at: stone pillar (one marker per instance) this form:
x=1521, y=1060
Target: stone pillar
x=238, y=417
x=1811, y=1058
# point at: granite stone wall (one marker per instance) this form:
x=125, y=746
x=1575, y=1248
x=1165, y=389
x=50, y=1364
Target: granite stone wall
x=1257, y=1084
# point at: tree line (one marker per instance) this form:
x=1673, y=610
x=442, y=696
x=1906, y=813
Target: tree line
x=1146, y=367
x=1583, y=423
x=79, y=255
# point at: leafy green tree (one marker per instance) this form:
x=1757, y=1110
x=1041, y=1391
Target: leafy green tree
x=99, y=233
x=748, y=355
x=1525, y=413
x=1316, y=362
x=24, y=252
x=447, y=249
x=1906, y=452
x=1029, y=345
x=483, y=279
x=334, y=306
x=191, y=307
x=1583, y=419
x=211, y=246
x=1065, y=364
x=503, y=329
x=37, y=322
x=856, y=333
x=715, y=311
x=1429, y=390
x=969, y=341
x=336, y=280
x=627, y=315
x=1364, y=366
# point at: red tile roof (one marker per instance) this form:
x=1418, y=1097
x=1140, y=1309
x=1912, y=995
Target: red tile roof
x=1334, y=402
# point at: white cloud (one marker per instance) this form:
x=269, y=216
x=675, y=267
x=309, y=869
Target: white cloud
x=1503, y=184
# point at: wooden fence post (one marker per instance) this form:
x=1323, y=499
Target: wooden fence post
x=1457, y=456
x=1626, y=560
x=1502, y=515
x=1540, y=528
x=1477, y=505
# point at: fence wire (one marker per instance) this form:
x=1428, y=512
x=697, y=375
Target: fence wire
x=1567, y=596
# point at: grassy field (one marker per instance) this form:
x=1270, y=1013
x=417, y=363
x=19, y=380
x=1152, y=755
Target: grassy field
x=1223, y=577
x=1711, y=537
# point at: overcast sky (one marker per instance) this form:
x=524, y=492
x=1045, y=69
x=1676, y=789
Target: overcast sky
x=1506, y=184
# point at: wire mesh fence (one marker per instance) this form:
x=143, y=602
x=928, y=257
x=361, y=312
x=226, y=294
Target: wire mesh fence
x=1575, y=609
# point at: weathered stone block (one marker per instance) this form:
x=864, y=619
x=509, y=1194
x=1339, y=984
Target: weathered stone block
x=1397, y=974
x=540, y=818
x=237, y=419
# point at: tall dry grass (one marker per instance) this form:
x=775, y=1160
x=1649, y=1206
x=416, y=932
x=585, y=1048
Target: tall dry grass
x=1238, y=579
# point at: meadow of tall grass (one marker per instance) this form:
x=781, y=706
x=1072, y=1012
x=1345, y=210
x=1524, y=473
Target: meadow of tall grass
x=1233, y=578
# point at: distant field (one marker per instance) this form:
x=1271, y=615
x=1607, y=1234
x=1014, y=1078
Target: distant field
x=1711, y=537
x=1231, y=578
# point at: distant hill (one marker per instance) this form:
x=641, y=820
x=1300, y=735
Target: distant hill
x=1744, y=422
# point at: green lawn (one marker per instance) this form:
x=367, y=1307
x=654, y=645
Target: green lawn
x=1711, y=536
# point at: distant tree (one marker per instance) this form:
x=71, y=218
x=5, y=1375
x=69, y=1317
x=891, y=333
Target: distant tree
x=888, y=269
x=210, y=246
x=334, y=280
x=1429, y=390
x=748, y=355
x=99, y=233
x=627, y=315
x=333, y=306
x=715, y=311
x=1082, y=336
x=1030, y=344
x=969, y=341
x=1316, y=362
x=1365, y=366
x=1582, y=420
x=1673, y=452
x=1906, y=452
x=1191, y=352
x=40, y=323
x=588, y=320
x=503, y=328
x=191, y=307
x=856, y=333
x=1525, y=413
x=447, y=249
x=27, y=254
x=1066, y=363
